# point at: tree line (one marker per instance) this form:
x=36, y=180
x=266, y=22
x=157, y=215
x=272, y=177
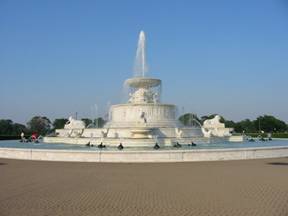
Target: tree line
x=265, y=123
x=43, y=126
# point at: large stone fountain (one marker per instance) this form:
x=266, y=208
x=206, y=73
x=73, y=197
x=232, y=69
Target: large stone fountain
x=142, y=121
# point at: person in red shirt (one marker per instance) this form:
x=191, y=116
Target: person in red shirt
x=34, y=136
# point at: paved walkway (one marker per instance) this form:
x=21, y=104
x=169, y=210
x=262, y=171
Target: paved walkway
x=253, y=187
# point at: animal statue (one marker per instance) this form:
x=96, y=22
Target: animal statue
x=215, y=122
x=105, y=133
x=155, y=98
x=143, y=95
x=74, y=124
x=178, y=132
x=213, y=127
x=207, y=133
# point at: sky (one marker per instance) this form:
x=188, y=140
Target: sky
x=58, y=57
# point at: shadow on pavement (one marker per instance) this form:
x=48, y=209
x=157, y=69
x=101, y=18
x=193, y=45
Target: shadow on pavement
x=279, y=163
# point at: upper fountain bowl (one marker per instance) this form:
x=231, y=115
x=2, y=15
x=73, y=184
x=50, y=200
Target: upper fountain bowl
x=142, y=82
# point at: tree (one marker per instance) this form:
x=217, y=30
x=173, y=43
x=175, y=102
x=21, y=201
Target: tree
x=245, y=125
x=18, y=129
x=7, y=127
x=40, y=125
x=99, y=122
x=269, y=123
x=59, y=123
x=87, y=121
x=188, y=119
x=230, y=124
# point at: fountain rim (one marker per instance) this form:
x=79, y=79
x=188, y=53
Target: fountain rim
x=142, y=82
x=143, y=104
x=142, y=156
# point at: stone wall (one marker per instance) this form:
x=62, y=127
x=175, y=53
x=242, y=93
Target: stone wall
x=144, y=156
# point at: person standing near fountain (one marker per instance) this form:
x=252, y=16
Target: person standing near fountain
x=22, y=135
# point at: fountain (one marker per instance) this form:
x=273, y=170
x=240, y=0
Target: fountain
x=138, y=121
x=143, y=129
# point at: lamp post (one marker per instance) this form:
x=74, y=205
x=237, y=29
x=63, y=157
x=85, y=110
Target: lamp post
x=259, y=125
x=96, y=115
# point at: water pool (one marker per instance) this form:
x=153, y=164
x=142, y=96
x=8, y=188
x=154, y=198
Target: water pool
x=218, y=145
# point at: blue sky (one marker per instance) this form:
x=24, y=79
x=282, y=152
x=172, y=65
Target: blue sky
x=226, y=57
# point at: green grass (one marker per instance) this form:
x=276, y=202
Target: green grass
x=274, y=135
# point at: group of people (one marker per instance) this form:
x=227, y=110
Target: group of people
x=121, y=147
x=260, y=138
x=33, y=138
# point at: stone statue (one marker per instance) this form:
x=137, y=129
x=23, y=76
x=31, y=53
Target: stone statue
x=155, y=98
x=104, y=134
x=74, y=124
x=213, y=127
x=143, y=95
x=178, y=132
x=143, y=118
x=207, y=133
x=214, y=123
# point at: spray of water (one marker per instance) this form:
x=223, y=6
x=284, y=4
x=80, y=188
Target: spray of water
x=140, y=67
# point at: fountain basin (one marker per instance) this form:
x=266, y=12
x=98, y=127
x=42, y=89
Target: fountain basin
x=128, y=115
x=205, y=152
x=142, y=82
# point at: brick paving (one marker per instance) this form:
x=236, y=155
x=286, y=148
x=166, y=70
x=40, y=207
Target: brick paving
x=252, y=187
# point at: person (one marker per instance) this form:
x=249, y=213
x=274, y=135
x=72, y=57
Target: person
x=34, y=136
x=101, y=145
x=192, y=144
x=269, y=136
x=156, y=146
x=177, y=145
x=120, y=146
x=22, y=137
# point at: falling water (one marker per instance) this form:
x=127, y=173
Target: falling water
x=140, y=68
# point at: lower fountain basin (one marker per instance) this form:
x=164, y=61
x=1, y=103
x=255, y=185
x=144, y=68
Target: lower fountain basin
x=202, y=152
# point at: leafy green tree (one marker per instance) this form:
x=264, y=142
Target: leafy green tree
x=59, y=123
x=19, y=128
x=246, y=125
x=87, y=121
x=188, y=119
x=7, y=127
x=269, y=123
x=40, y=125
x=99, y=122
x=230, y=124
